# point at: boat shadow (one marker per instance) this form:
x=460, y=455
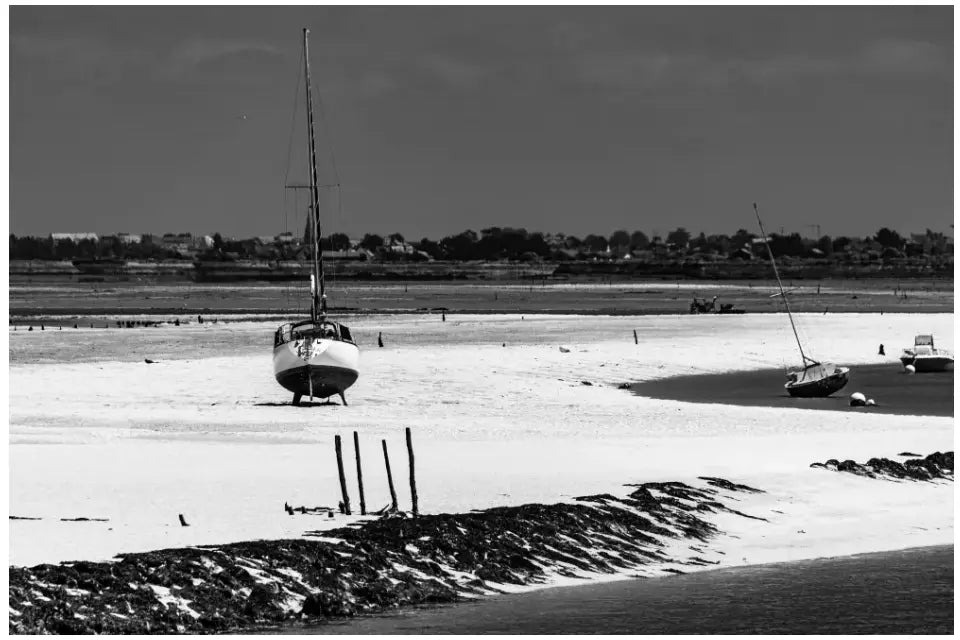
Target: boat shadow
x=303, y=404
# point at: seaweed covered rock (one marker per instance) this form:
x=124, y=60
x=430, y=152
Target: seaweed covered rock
x=376, y=565
x=936, y=466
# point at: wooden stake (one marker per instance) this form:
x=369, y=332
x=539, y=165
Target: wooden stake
x=635, y=341
x=413, y=479
x=356, y=448
x=393, y=493
x=343, y=480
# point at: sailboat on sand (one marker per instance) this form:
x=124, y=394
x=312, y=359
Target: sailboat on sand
x=814, y=379
x=316, y=357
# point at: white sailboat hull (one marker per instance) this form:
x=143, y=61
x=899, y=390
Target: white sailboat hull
x=316, y=367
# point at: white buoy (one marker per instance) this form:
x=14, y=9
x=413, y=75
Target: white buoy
x=910, y=368
x=857, y=399
x=871, y=403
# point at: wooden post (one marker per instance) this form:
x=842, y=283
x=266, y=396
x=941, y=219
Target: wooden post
x=356, y=447
x=343, y=480
x=413, y=479
x=393, y=493
x=635, y=341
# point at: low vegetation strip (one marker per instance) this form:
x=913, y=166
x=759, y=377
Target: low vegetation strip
x=386, y=563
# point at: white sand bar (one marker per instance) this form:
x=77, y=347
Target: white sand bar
x=206, y=431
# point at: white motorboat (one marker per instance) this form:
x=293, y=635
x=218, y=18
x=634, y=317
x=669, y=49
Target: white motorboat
x=925, y=357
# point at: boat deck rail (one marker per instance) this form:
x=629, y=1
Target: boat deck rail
x=325, y=329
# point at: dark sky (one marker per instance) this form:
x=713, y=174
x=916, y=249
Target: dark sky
x=570, y=119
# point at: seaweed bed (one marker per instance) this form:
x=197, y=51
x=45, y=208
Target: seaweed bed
x=936, y=466
x=390, y=562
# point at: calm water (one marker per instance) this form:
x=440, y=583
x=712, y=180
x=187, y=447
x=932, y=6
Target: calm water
x=896, y=592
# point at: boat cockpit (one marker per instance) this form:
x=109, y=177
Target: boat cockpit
x=812, y=372
x=324, y=329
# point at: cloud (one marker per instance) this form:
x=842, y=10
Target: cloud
x=452, y=71
x=645, y=69
x=99, y=60
x=199, y=53
x=84, y=58
x=905, y=56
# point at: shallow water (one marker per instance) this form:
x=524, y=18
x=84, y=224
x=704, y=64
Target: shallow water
x=926, y=394
x=44, y=296
x=907, y=591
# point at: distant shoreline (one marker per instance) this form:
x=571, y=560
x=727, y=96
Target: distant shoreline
x=20, y=316
x=65, y=296
x=670, y=268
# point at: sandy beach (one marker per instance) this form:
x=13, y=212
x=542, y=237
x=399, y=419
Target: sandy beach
x=500, y=416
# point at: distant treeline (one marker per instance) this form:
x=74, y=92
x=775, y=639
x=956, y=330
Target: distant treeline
x=494, y=243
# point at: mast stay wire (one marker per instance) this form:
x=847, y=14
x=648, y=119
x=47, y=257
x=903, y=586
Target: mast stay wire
x=286, y=176
x=336, y=186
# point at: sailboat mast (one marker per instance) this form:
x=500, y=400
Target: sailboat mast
x=783, y=294
x=319, y=306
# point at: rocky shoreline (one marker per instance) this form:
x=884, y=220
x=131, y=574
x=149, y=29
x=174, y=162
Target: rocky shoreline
x=382, y=564
x=936, y=466
x=397, y=561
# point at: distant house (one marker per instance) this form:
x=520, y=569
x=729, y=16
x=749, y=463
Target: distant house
x=73, y=237
x=742, y=254
x=399, y=247
x=179, y=243
x=286, y=238
x=173, y=238
x=930, y=242
x=129, y=238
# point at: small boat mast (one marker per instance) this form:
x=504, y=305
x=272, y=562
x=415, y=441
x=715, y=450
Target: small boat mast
x=783, y=293
x=318, y=307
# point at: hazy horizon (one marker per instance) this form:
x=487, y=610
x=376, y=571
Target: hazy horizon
x=568, y=119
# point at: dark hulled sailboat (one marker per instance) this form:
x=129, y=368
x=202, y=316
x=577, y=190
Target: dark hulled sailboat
x=813, y=379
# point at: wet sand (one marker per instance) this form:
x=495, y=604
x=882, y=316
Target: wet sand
x=900, y=592
x=895, y=392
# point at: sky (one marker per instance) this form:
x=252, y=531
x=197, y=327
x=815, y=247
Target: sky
x=439, y=119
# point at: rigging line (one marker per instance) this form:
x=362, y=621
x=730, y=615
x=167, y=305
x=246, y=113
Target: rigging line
x=293, y=119
x=286, y=175
x=329, y=138
x=780, y=285
x=336, y=172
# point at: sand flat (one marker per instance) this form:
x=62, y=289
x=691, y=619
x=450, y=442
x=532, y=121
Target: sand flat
x=207, y=432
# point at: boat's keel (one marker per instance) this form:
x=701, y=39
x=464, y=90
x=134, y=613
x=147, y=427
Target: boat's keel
x=296, y=399
x=317, y=381
x=343, y=399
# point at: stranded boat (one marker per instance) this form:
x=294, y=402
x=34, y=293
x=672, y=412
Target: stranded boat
x=813, y=379
x=925, y=357
x=316, y=357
